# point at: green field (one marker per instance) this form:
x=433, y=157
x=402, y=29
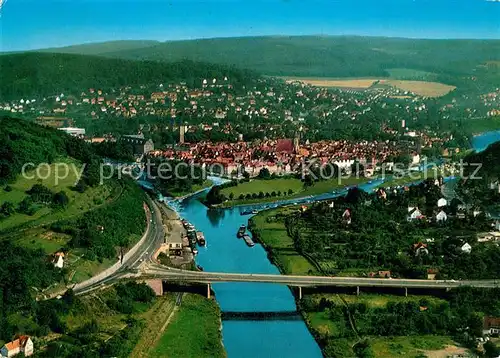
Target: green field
x=274, y=236
x=195, y=188
x=284, y=184
x=78, y=202
x=194, y=331
x=410, y=74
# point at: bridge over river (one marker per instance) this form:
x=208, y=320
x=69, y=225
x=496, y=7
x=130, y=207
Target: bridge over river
x=154, y=271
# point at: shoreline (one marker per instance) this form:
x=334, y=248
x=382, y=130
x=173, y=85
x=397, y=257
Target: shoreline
x=272, y=258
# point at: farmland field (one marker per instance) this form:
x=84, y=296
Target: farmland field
x=361, y=83
x=422, y=88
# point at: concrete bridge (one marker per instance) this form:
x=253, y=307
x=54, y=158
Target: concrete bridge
x=154, y=271
x=151, y=271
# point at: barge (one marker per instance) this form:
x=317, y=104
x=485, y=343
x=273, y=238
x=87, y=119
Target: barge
x=241, y=231
x=248, y=240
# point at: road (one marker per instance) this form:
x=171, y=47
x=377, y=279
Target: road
x=142, y=253
x=151, y=270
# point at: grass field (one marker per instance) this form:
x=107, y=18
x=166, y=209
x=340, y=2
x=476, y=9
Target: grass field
x=193, y=332
x=275, y=237
x=421, y=88
x=157, y=320
x=410, y=74
x=195, y=188
x=266, y=186
x=78, y=202
x=283, y=185
x=361, y=83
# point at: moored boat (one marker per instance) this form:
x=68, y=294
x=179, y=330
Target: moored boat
x=200, y=238
x=248, y=240
x=241, y=231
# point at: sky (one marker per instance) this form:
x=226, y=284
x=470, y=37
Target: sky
x=32, y=24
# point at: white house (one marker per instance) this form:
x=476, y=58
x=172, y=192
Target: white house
x=466, y=248
x=58, y=260
x=414, y=213
x=442, y=203
x=441, y=216
x=23, y=344
x=346, y=217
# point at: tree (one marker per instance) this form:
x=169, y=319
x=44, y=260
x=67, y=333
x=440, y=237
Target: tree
x=308, y=180
x=264, y=174
x=26, y=206
x=7, y=209
x=60, y=199
x=214, y=196
x=491, y=350
x=246, y=175
x=231, y=196
x=363, y=349
x=290, y=191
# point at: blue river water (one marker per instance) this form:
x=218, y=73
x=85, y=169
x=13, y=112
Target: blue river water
x=225, y=253
x=482, y=141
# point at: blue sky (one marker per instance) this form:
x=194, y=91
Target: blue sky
x=31, y=24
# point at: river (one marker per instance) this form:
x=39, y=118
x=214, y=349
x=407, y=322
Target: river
x=225, y=253
x=482, y=141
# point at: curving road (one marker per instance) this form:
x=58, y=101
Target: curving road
x=142, y=252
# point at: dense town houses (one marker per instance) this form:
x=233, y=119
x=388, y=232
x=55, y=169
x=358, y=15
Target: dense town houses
x=283, y=156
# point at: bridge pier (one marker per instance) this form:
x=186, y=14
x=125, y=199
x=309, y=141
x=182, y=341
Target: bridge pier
x=406, y=291
x=300, y=292
x=209, y=288
x=357, y=290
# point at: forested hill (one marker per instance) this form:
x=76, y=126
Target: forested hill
x=26, y=142
x=321, y=56
x=40, y=74
x=489, y=160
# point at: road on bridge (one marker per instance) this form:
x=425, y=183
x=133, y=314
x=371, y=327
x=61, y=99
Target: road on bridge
x=152, y=270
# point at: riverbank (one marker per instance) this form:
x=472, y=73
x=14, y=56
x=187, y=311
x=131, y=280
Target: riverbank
x=289, y=189
x=322, y=312
x=196, y=189
x=194, y=331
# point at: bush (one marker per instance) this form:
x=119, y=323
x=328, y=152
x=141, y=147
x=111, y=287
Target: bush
x=60, y=199
x=26, y=206
x=7, y=209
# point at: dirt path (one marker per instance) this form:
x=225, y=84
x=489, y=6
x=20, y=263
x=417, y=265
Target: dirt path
x=446, y=352
x=157, y=320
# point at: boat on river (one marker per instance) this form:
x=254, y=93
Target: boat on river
x=200, y=238
x=246, y=212
x=241, y=231
x=248, y=240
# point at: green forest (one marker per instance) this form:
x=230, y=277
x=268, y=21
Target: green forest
x=313, y=56
x=41, y=74
x=99, y=233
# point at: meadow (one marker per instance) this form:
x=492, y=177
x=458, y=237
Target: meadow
x=193, y=331
x=361, y=83
x=419, y=87
x=78, y=202
x=283, y=185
